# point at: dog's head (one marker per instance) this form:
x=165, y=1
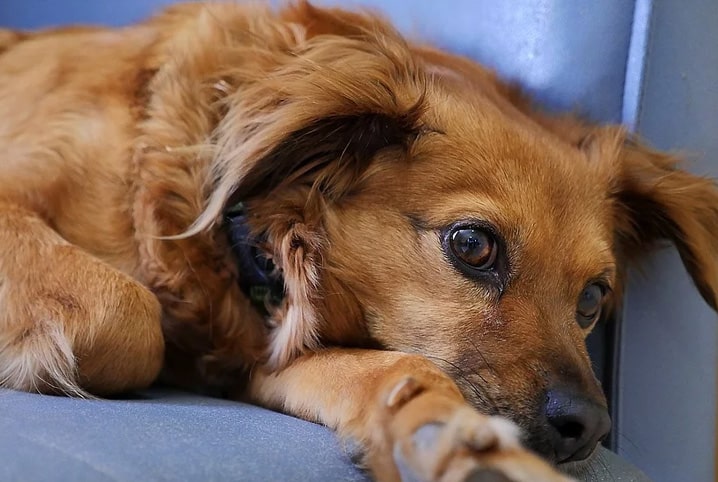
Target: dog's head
x=412, y=208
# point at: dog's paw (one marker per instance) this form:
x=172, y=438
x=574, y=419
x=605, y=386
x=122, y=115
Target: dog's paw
x=442, y=439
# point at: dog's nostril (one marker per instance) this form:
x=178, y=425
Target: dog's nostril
x=569, y=429
x=575, y=424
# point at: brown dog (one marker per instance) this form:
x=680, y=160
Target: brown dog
x=438, y=243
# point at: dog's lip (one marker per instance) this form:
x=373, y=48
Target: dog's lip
x=576, y=467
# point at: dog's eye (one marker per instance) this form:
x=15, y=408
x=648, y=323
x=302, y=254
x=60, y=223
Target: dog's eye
x=474, y=247
x=590, y=302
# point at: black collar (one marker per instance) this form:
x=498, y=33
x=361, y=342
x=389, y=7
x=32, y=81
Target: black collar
x=259, y=278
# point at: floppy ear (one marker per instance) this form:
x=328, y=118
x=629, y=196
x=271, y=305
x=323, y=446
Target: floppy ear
x=322, y=111
x=309, y=168
x=300, y=138
x=655, y=200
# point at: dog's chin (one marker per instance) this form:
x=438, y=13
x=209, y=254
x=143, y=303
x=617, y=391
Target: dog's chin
x=574, y=468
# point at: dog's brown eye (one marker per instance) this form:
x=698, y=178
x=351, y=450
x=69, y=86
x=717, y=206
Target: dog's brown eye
x=474, y=247
x=590, y=302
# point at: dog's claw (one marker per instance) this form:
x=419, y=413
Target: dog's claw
x=404, y=391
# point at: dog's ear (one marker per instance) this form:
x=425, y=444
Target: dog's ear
x=318, y=116
x=298, y=139
x=654, y=199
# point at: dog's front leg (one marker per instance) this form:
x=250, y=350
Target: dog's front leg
x=70, y=323
x=408, y=417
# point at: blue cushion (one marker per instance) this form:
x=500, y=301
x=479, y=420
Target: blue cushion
x=163, y=435
x=170, y=435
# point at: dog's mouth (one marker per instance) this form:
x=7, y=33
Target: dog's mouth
x=576, y=466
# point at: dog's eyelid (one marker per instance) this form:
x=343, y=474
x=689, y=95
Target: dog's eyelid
x=605, y=280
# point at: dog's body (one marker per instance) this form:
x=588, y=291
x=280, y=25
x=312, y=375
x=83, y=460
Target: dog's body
x=413, y=203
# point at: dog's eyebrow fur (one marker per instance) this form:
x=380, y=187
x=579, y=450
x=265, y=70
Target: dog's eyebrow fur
x=417, y=222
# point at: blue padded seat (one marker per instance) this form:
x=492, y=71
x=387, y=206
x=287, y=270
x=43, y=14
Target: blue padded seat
x=166, y=435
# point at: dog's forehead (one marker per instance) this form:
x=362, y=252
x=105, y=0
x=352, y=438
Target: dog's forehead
x=485, y=154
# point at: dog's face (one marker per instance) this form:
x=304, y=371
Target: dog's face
x=491, y=251
x=413, y=209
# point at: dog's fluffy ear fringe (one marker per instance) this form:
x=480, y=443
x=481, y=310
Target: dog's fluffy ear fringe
x=654, y=199
x=338, y=100
x=318, y=120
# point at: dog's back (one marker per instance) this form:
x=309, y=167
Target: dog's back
x=68, y=120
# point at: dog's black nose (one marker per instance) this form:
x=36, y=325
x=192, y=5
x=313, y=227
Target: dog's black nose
x=576, y=424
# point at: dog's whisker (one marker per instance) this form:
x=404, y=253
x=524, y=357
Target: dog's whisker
x=486, y=363
x=483, y=358
x=460, y=373
x=480, y=395
x=627, y=439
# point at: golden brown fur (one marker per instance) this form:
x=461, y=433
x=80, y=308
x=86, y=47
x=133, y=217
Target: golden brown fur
x=352, y=150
